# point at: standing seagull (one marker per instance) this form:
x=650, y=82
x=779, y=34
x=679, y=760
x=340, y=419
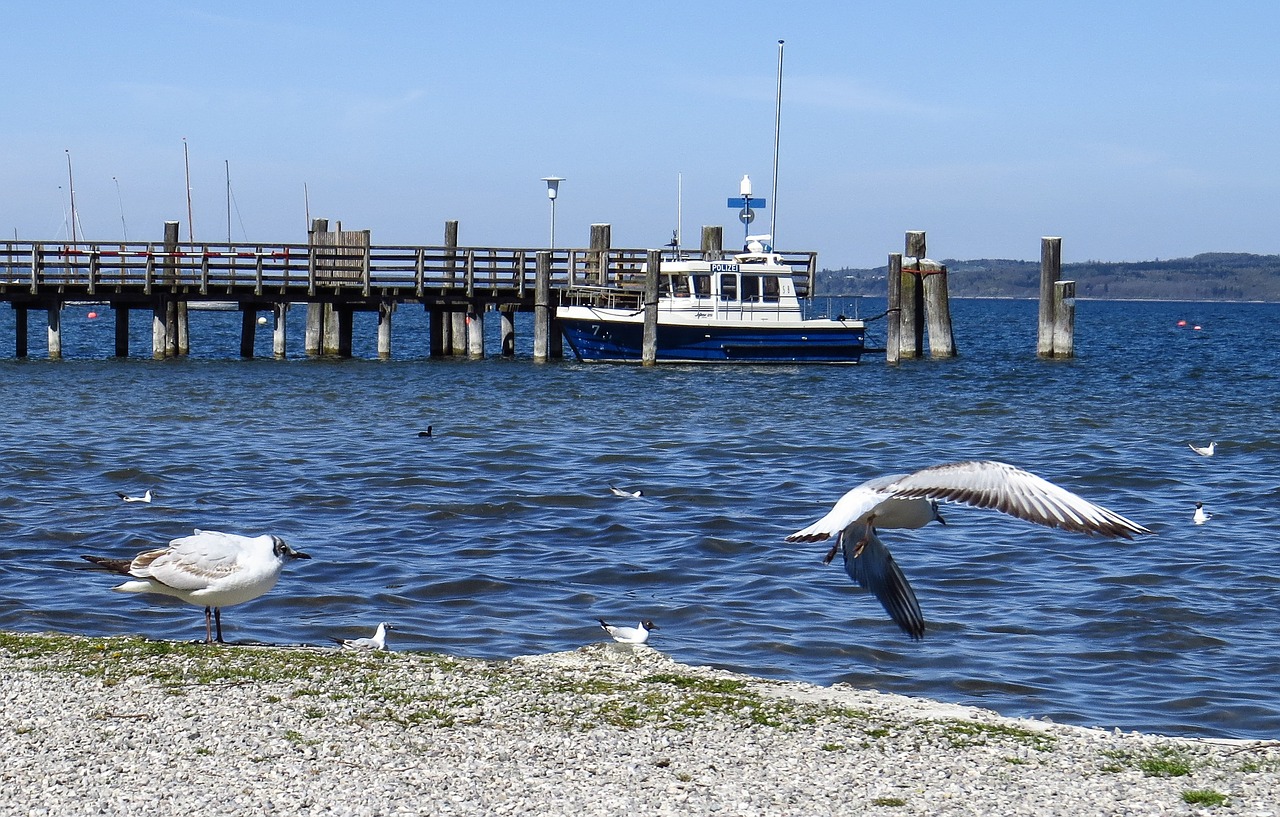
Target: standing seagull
x=911, y=501
x=144, y=498
x=1204, y=450
x=1201, y=515
x=629, y=635
x=377, y=642
x=208, y=569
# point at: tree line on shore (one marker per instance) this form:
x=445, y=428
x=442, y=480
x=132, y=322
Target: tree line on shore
x=1204, y=277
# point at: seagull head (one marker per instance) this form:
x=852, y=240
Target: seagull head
x=649, y=625
x=281, y=549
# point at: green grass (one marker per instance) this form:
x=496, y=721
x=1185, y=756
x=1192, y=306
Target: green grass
x=1204, y=797
x=1162, y=761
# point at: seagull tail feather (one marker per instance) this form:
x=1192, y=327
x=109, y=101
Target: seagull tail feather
x=120, y=566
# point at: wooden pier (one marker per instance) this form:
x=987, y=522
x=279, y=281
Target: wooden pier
x=335, y=274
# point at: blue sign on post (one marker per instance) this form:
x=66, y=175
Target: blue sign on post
x=756, y=204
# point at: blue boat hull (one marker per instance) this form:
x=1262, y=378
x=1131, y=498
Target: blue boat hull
x=603, y=341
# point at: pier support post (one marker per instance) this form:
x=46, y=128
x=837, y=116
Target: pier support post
x=122, y=331
x=182, y=329
x=436, y=328
x=458, y=332
x=279, y=329
x=343, y=319
x=542, y=308
x=1064, y=319
x=912, y=301
x=893, y=311
x=385, y=309
x=248, y=330
x=55, y=331
x=475, y=332
x=1050, y=272
x=649, y=340
x=20, y=331
x=598, y=257
x=160, y=328
x=507, y=331
x=712, y=242
x=454, y=335
x=332, y=330
x=314, y=334
x=170, y=318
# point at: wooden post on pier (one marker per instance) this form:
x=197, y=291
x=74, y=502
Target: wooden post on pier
x=1064, y=319
x=542, y=307
x=911, y=340
x=313, y=336
x=248, y=330
x=649, y=340
x=598, y=254
x=55, y=330
x=437, y=331
x=385, y=309
x=507, y=331
x=183, y=334
x=164, y=316
x=122, y=331
x=20, y=331
x=455, y=321
x=475, y=333
x=712, y=242
x=893, y=311
x=1050, y=272
x=279, y=334
x=937, y=306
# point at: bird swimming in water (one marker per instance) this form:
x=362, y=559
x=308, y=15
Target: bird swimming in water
x=629, y=635
x=1201, y=515
x=1204, y=450
x=144, y=498
x=616, y=491
x=426, y=433
x=911, y=501
x=208, y=569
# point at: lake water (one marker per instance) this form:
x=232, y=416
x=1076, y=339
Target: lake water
x=499, y=537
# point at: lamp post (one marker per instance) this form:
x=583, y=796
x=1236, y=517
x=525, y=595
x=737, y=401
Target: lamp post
x=553, y=190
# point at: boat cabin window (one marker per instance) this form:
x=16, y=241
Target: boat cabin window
x=762, y=288
x=702, y=286
x=728, y=286
x=677, y=285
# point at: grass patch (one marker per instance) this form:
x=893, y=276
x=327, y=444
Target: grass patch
x=892, y=802
x=962, y=734
x=1162, y=761
x=1204, y=797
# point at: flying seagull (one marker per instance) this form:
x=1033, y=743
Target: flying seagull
x=1204, y=450
x=911, y=501
x=144, y=498
x=208, y=569
x=1201, y=515
x=377, y=642
x=629, y=635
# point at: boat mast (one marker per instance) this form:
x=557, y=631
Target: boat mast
x=186, y=158
x=227, y=164
x=71, y=188
x=777, y=126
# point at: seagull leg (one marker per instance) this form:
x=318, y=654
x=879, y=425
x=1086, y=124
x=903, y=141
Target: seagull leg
x=208, y=626
x=831, y=554
x=217, y=617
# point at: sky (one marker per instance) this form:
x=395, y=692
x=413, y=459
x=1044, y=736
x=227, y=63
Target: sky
x=1134, y=130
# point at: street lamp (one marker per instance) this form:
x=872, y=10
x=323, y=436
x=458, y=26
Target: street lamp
x=553, y=189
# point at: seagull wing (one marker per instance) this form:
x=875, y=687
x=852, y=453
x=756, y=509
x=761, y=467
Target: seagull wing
x=850, y=508
x=875, y=569
x=1016, y=492
x=192, y=562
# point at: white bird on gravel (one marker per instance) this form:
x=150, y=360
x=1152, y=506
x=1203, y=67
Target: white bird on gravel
x=1201, y=515
x=377, y=642
x=208, y=569
x=144, y=498
x=616, y=491
x=1204, y=450
x=911, y=501
x=629, y=635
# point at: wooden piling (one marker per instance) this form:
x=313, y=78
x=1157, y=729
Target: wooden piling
x=458, y=332
x=937, y=311
x=649, y=340
x=542, y=307
x=475, y=333
x=1050, y=272
x=385, y=309
x=598, y=254
x=712, y=242
x=122, y=331
x=20, y=331
x=437, y=327
x=507, y=331
x=248, y=331
x=1064, y=318
x=455, y=325
x=279, y=333
x=893, y=311
x=314, y=334
x=159, y=336
x=183, y=334
x=55, y=330
x=911, y=339
x=342, y=323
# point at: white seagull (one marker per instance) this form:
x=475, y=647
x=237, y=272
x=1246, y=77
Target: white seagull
x=911, y=501
x=208, y=569
x=377, y=642
x=144, y=498
x=630, y=494
x=1201, y=515
x=1204, y=450
x=629, y=635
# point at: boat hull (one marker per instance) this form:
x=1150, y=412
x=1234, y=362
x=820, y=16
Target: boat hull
x=600, y=338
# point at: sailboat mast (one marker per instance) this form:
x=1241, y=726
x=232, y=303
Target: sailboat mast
x=227, y=163
x=186, y=158
x=71, y=188
x=777, y=127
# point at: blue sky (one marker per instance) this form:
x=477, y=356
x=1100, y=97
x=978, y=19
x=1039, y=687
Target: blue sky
x=1134, y=130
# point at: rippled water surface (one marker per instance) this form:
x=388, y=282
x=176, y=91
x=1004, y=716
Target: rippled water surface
x=499, y=537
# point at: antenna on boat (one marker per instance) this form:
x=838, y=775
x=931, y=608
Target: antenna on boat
x=679, y=211
x=777, y=126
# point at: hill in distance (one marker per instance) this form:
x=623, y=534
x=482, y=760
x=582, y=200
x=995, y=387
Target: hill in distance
x=1204, y=277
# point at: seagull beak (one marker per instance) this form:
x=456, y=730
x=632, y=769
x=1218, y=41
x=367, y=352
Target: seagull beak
x=297, y=554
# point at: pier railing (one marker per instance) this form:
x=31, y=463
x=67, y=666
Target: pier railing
x=213, y=270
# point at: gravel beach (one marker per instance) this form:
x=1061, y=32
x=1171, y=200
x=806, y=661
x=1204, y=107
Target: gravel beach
x=128, y=726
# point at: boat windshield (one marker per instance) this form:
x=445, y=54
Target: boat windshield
x=702, y=286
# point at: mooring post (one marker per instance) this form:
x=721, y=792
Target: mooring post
x=1050, y=272
x=912, y=300
x=386, y=308
x=507, y=331
x=598, y=257
x=122, y=331
x=20, y=331
x=475, y=332
x=55, y=330
x=1064, y=319
x=937, y=312
x=712, y=242
x=279, y=333
x=893, y=310
x=649, y=340
x=542, y=307
x=248, y=330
